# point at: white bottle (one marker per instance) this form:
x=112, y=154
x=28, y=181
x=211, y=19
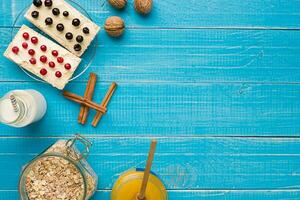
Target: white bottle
x=19, y=108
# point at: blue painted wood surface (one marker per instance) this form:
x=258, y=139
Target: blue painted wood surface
x=216, y=82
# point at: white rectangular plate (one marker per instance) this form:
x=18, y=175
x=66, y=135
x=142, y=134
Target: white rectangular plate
x=22, y=57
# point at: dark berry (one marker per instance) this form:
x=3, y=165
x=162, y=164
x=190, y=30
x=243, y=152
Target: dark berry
x=86, y=30
x=32, y=61
x=60, y=27
x=43, y=48
x=58, y=74
x=55, y=11
x=35, y=14
x=49, y=21
x=66, y=13
x=67, y=66
x=26, y=36
x=34, y=40
x=43, y=59
x=37, y=3
x=31, y=52
x=69, y=36
x=43, y=72
x=76, y=22
x=51, y=64
x=15, y=49
x=48, y=3
x=77, y=47
x=79, y=38
x=60, y=59
x=55, y=53
x=25, y=45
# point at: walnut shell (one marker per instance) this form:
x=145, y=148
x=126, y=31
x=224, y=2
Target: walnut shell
x=114, y=26
x=143, y=6
x=119, y=4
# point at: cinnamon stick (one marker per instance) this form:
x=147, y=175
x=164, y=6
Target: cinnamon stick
x=104, y=103
x=88, y=94
x=78, y=99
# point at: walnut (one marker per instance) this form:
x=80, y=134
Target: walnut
x=143, y=6
x=119, y=4
x=114, y=26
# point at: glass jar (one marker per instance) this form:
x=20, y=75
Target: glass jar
x=129, y=183
x=19, y=108
x=60, y=172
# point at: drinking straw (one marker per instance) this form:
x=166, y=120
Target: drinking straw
x=14, y=102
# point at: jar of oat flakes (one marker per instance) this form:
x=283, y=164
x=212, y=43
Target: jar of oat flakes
x=61, y=172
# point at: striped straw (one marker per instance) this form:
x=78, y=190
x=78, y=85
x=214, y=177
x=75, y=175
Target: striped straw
x=14, y=102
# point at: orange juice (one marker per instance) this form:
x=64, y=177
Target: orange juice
x=128, y=185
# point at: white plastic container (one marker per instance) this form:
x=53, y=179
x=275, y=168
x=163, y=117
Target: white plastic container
x=19, y=108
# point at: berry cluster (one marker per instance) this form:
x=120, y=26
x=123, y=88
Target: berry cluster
x=51, y=61
x=49, y=21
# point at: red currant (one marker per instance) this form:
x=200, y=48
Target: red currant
x=60, y=60
x=58, y=74
x=15, y=49
x=67, y=66
x=43, y=71
x=25, y=45
x=51, y=64
x=31, y=52
x=43, y=59
x=43, y=48
x=55, y=53
x=32, y=61
x=26, y=36
x=34, y=40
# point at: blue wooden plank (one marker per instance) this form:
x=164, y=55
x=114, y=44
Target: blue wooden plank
x=172, y=109
x=201, y=195
x=186, y=13
x=183, y=163
x=188, y=56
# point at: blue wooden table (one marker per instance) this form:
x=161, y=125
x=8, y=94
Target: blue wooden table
x=217, y=82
